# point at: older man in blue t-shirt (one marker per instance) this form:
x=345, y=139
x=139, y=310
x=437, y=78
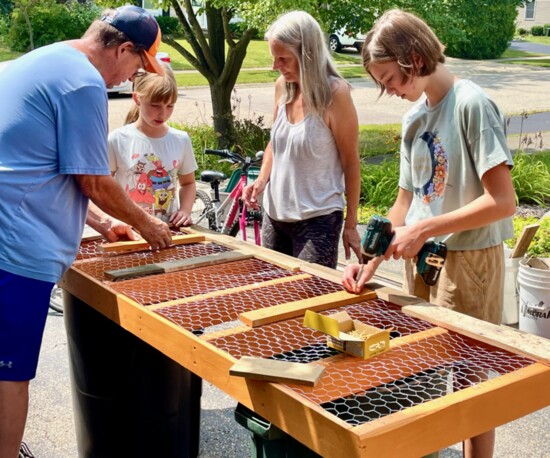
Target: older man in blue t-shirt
x=53, y=161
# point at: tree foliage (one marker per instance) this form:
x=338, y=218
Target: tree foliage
x=35, y=23
x=470, y=30
x=479, y=29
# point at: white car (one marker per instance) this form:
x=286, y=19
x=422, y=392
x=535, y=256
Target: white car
x=342, y=38
x=126, y=86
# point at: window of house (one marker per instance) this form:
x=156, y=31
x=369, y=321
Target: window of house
x=530, y=10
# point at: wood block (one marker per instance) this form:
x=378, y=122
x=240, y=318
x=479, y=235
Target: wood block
x=294, y=309
x=524, y=240
x=175, y=266
x=393, y=295
x=271, y=370
x=142, y=245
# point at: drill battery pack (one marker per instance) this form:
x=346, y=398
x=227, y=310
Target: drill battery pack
x=430, y=260
x=377, y=238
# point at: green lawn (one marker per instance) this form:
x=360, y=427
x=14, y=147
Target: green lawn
x=513, y=53
x=379, y=139
x=540, y=40
x=8, y=55
x=535, y=63
x=257, y=56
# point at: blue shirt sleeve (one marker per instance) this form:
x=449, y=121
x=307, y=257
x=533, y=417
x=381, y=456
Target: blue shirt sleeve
x=82, y=129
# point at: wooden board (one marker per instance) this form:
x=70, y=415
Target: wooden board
x=393, y=295
x=175, y=266
x=499, y=336
x=141, y=245
x=524, y=240
x=298, y=308
x=271, y=370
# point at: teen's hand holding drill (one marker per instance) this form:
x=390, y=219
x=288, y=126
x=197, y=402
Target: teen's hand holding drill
x=382, y=242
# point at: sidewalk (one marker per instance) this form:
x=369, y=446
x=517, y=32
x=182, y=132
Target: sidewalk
x=515, y=88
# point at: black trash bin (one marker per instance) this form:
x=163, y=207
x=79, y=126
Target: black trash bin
x=129, y=399
x=268, y=441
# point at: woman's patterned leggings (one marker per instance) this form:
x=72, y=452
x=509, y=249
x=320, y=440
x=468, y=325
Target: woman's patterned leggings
x=313, y=240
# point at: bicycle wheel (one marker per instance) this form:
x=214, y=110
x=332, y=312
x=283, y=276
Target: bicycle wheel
x=56, y=299
x=203, y=211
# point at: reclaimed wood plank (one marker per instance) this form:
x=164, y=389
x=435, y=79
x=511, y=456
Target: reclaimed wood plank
x=288, y=310
x=500, y=336
x=141, y=245
x=271, y=370
x=524, y=240
x=177, y=265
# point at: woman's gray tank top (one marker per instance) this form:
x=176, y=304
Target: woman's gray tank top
x=307, y=178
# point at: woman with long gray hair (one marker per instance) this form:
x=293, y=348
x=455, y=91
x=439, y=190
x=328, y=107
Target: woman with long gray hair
x=310, y=170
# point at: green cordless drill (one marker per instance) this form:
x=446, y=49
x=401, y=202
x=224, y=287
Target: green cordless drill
x=377, y=239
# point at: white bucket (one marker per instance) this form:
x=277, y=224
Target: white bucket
x=534, y=298
x=510, y=309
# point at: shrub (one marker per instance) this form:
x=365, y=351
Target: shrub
x=521, y=31
x=537, y=30
x=251, y=137
x=170, y=25
x=203, y=136
x=531, y=179
x=470, y=30
x=540, y=246
x=379, y=185
x=51, y=22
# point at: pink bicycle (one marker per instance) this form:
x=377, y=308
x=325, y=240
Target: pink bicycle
x=231, y=215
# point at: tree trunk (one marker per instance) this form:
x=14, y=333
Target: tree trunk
x=209, y=57
x=222, y=114
x=29, y=27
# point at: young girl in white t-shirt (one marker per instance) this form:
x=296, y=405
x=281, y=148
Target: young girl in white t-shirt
x=152, y=161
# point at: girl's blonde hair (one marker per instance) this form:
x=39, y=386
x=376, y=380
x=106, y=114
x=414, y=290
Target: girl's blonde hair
x=154, y=88
x=301, y=33
x=403, y=37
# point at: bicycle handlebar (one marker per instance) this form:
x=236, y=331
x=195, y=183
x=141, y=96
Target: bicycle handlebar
x=235, y=158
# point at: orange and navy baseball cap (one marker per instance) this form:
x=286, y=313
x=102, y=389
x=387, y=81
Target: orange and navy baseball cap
x=142, y=29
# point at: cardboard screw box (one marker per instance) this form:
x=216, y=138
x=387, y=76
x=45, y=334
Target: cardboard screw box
x=348, y=335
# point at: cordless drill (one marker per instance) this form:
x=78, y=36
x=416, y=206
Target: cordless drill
x=378, y=236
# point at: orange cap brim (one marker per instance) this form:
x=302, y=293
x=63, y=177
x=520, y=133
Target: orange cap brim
x=153, y=65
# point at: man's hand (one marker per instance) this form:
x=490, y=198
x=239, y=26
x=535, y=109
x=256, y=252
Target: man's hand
x=120, y=231
x=156, y=232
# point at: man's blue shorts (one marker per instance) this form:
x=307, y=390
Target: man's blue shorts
x=23, y=311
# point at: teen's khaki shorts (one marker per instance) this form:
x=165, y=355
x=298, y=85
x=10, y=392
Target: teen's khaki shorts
x=471, y=282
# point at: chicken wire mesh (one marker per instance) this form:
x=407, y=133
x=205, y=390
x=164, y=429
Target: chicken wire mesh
x=156, y=289
x=357, y=390
x=97, y=266
x=199, y=316
x=354, y=390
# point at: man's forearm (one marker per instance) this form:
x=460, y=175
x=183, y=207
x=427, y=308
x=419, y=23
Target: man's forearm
x=107, y=197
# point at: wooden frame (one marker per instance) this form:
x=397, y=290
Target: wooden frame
x=412, y=432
